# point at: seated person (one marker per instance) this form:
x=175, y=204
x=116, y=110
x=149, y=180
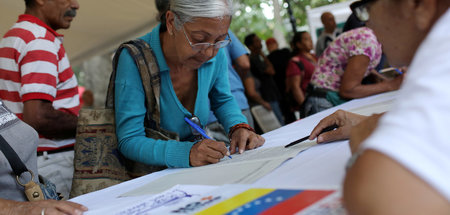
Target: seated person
x=341, y=69
x=23, y=139
x=193, y=67
x=300, y=68
x=402, y=163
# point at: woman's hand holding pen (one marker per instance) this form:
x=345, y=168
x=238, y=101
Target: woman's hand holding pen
x=245, y=139
x=207, y=152
x=343, y=119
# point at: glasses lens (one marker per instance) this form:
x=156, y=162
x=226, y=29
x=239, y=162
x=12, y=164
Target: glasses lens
x=222, y=44
x=195, y=120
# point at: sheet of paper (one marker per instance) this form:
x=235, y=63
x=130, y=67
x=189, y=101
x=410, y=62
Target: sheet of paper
x=242, y=169
x=368, y=110
x=148, y=204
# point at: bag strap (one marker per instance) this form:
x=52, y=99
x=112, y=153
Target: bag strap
x=16, y=163
x=32, y=190
x=148, y=68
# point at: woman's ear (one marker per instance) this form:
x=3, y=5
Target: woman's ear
x=170, y=22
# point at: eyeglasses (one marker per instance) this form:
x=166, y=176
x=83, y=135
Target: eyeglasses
x=204, y=46
x=360, y=9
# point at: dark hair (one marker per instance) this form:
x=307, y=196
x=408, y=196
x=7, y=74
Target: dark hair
x=352, y=23
x=248, y=41
x=29, y=3
x=162, y=6
x=298, y=36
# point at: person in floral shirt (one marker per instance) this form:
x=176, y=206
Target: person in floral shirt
x=341, y=69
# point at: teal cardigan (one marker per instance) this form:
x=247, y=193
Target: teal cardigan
x=130, y=107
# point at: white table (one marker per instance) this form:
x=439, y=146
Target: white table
x=320, y=167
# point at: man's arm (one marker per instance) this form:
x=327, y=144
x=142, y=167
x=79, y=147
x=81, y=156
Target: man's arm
x=268, y=65
x=242, y=64
x=249, y=85
x=9, y=207
x=49, y=122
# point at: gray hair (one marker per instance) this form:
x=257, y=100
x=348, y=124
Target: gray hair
x=188, y=10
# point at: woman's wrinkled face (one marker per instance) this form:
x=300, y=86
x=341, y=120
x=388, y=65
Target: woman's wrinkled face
x=201, y=30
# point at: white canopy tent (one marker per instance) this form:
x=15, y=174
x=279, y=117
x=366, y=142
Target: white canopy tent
x=100, y=25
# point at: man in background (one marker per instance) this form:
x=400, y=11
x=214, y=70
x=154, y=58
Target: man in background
x=329, y=33
x=38, y=85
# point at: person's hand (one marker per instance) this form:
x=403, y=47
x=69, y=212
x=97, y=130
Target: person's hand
x=395, y=83
x=207, y=152
x=245, y=139
x=266, y=105
x=48, y=207
x=362, y=131
x=345, y=120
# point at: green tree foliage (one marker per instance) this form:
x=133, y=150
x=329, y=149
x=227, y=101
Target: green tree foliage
x=249, y=16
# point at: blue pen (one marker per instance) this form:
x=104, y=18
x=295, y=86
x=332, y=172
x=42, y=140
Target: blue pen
x=398, y=71
x=199, y=129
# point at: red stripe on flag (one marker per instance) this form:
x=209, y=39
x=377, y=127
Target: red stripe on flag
x=12, y=96
x=298, y=202
x=39, y=78
x=39, y=55
x=25, y=35
x=10, y=75
x=10, y=53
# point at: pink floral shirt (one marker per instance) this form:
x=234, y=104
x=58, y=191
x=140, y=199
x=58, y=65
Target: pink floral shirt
x=333, y=61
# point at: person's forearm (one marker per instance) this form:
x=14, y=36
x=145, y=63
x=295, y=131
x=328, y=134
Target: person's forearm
x=57, y=124
x=298, y=95
x=49, y=122
x=269, y=67
x=7, y=207
x=360, y=91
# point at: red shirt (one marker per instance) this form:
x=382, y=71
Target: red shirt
x=293, y=69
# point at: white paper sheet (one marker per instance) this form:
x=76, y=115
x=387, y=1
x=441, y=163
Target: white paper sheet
x=245, y=168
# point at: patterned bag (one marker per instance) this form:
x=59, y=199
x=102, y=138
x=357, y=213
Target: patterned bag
x=98, y=163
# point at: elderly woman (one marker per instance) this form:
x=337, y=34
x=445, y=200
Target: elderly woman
x=341, y=69
x=193, y=67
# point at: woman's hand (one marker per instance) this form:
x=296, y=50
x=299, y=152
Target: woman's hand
x=345, y=120
x=207, y=152
x=245, y=139
x=47, y=207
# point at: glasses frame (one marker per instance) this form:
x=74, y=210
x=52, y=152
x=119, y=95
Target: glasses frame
x=204, y=46
x=360, y=9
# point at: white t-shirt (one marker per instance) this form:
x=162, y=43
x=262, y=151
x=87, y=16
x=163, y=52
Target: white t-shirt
x=416, y=132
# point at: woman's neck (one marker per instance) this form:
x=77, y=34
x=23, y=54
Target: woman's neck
x=169, y=51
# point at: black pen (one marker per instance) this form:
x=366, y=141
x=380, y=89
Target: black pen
x=327, y=129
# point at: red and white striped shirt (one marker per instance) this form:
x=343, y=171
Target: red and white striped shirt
x=34, y=65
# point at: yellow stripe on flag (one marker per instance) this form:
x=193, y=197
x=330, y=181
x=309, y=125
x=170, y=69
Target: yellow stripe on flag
x=235, y=202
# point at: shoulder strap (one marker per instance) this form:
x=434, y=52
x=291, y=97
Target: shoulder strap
x=148, y=68
x=16, y=164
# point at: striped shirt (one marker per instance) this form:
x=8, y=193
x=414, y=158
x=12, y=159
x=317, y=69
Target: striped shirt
x=34, y=65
